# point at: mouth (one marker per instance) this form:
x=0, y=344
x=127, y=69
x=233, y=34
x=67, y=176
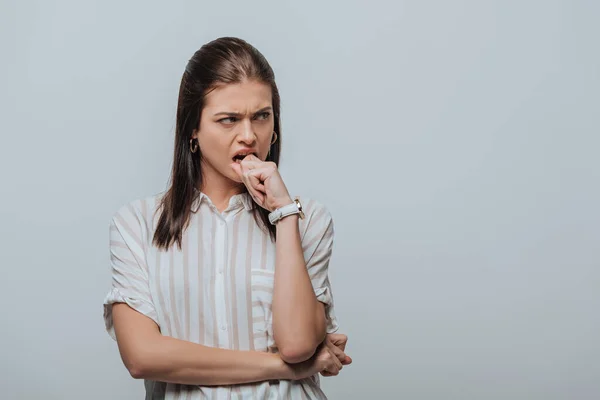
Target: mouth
x=239, y=157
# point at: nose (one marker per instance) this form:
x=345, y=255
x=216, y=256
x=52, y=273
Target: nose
x=246, y=134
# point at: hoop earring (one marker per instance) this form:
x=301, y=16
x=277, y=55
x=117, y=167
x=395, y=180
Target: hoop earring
x=192, y=143
x=272, y=142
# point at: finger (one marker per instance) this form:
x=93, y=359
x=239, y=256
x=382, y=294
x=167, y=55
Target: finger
x=332, y=364
x=340, y=340
x=326, y=374
x=337, y=337
x=258, y=198
x=267, y=168
x=339, y=354
x=262, y=173
x=238, y=169
x=252, y=187
x=258, y=178
x=256, y=195
x=340, y=345
x=249, y=182
x=333, y=371
x=255, y=182
x=336, y=361
x=252, y=162
x=339, y=364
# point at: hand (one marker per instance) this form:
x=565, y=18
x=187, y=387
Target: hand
x=263, y=181
x=323, y=360
x=337, y=344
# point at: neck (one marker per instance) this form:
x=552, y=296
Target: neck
x=220, y=189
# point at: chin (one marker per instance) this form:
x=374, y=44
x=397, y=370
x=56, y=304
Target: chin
x=233, y=176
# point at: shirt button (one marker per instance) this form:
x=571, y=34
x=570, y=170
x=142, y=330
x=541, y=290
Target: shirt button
x=223, y=328
x=220, y=271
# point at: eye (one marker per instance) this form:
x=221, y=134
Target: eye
x=228, y=120
x=264, y=115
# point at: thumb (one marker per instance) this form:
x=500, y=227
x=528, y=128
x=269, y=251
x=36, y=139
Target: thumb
x=339, y=354
x=237, y=168
x=339, y=340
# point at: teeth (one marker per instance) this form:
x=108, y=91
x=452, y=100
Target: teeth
x=239, y=157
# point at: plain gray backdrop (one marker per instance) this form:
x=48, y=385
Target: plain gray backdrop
x=455, y=143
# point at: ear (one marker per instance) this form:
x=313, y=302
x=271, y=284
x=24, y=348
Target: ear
x=195, y=134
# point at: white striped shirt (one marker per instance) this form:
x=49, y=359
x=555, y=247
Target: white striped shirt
x=217, y=290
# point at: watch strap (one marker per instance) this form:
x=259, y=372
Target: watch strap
x=281, y=212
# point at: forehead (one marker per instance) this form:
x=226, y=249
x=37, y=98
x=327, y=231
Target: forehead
x=239, y=97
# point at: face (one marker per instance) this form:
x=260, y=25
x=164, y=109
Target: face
x=235, y=117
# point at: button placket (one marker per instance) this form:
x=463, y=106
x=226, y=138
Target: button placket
x=220, y=260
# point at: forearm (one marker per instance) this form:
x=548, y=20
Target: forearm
x=298, y=323
x=168, y=359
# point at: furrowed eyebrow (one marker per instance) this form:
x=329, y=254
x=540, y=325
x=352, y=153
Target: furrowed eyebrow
x=232, y=114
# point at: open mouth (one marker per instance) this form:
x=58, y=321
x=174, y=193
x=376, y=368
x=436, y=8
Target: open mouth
x=238, y=158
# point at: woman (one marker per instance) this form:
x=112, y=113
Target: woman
x=220, y=284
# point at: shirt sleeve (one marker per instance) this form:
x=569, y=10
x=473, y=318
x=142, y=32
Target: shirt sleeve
x=128, y=268
x=317, y=245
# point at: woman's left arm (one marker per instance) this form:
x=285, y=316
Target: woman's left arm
x=302, y=304
x=298, y=317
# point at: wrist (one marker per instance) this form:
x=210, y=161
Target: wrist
x=283, y=369
x=282, y=203
x=291, y=219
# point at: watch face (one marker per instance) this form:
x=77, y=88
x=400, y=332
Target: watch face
x=301, y=212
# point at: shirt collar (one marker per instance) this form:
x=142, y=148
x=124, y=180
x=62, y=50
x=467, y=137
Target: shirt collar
x=242, y=199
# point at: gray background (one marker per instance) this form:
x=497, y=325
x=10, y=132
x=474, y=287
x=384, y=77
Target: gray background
x=455, y=144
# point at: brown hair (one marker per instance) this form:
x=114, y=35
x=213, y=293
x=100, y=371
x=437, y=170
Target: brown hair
x=221, y=61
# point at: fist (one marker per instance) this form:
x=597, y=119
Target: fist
x=263, y=181
x=336, y=342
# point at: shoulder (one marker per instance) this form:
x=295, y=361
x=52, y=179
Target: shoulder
x=138, y=212
x=317, y=215
x=313, y=207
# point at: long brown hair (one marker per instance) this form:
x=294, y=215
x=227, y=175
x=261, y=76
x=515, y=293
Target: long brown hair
x=221, y=61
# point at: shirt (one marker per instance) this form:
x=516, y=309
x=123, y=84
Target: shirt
x=216, y=290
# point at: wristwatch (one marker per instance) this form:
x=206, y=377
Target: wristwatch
x=293, y=208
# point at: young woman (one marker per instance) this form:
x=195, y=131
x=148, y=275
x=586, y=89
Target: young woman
x=220, y=284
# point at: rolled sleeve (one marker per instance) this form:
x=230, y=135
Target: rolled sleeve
x=317, y=247
x=129, y=269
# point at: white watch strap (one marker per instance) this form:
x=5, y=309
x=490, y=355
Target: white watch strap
x=283, y=212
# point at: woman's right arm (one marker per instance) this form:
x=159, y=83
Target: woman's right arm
x=147, y=354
